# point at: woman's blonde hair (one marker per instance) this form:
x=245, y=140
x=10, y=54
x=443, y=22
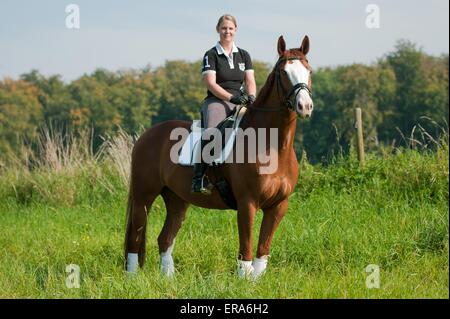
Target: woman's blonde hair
x=226, y=17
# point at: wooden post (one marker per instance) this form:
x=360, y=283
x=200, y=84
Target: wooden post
x=359, y=129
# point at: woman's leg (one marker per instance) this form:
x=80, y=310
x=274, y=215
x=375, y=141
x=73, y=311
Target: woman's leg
x=213, y=112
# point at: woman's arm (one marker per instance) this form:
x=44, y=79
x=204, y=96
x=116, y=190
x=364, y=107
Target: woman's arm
x=250, y=83
x=210, y=80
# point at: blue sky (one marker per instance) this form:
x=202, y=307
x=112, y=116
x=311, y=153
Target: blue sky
x=119, y=34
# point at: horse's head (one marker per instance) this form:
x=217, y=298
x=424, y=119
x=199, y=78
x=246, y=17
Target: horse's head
x=294, y=72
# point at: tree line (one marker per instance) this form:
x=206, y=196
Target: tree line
x=404, y=89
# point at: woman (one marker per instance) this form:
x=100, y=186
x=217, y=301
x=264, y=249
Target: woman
x=225, y=68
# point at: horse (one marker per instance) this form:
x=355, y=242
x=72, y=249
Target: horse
x=285, y=96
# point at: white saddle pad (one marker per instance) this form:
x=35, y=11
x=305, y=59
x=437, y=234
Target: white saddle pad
x=192, y=142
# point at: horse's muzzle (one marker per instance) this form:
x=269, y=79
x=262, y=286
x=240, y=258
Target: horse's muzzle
x=304, y=110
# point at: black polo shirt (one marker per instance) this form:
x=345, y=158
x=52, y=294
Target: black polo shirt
x=229, y=70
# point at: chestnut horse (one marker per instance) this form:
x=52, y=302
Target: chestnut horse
x=285, y=95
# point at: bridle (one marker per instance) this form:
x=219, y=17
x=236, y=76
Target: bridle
x=290, y=99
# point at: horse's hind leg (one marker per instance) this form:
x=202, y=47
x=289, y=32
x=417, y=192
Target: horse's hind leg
x=136, y=233
x=176, y=212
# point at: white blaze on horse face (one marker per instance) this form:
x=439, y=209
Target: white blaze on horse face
x=298, y=73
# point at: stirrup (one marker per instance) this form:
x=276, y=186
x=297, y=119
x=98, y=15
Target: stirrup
x=205, y=190
x=202, y=189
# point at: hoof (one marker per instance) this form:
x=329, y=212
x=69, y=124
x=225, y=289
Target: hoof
x=245, y=269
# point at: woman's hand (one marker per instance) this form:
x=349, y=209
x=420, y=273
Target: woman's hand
x=239, y=99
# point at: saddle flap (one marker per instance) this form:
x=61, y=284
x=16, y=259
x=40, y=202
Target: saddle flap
x=190, y=145
x=189, y=150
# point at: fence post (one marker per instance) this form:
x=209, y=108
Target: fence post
x=359, y=129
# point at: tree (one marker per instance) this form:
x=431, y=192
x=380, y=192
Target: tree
x=20, y=114
x=182, y=90
x=54, y=96
x=421, y=89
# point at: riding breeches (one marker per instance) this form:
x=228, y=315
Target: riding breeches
x=215, y=111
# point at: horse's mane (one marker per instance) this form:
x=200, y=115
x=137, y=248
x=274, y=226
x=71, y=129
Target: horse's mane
x=265, y=90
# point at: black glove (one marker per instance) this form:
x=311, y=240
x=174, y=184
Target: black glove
x=239, y=99
x=251, y=99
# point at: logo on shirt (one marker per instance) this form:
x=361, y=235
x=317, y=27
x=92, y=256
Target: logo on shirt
x=206, y=63
x=242, y=66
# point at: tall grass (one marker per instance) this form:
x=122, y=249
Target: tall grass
x=64, y=170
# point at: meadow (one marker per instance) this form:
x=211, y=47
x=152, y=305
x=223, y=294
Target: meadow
x=68, y=207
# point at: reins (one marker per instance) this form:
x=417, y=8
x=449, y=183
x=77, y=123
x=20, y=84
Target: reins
x=267, y=109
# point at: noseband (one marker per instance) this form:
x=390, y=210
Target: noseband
x=290, y=100
x=291, y=97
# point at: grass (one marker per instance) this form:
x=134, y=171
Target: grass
x=392, y=213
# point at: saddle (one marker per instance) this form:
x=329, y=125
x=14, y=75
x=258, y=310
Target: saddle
x=228, y=130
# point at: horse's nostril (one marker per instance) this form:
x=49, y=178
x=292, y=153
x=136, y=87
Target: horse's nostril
x=300, y=106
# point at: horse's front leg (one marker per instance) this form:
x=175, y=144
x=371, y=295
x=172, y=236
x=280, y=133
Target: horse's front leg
x=245, y=217
x=271, y=219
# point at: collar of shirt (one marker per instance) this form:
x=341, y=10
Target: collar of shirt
x=220, y=50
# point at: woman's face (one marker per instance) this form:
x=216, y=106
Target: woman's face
x=227, y=30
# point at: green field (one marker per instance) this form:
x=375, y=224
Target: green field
x=392, y=213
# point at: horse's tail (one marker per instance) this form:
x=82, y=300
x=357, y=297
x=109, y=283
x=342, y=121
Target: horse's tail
x=128, y=223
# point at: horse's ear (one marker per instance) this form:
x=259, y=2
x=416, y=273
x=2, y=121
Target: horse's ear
x=305, y=45
x=281, y=45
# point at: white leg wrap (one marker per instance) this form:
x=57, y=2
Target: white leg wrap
x=259, y=266
x=245, y=269
x=167, y=265
x=132, y=263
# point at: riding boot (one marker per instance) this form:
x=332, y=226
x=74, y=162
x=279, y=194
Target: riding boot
x=198, y=181
x=198, y=184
